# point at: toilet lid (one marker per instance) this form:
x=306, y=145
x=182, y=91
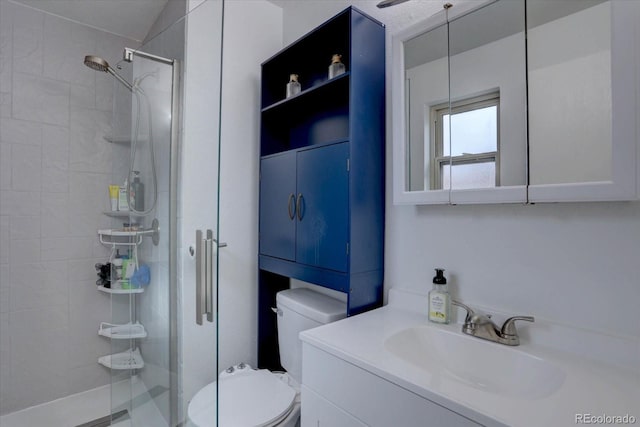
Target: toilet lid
x=247, y=399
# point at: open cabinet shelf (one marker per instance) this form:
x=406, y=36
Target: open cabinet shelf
x=299, y=98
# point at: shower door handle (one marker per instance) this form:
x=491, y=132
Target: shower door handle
x=201, y=276
x=208, y=290
x=209, y=276
x=206, y=246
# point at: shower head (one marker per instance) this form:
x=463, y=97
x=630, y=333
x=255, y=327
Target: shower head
x=98, y=64
x=389, y=3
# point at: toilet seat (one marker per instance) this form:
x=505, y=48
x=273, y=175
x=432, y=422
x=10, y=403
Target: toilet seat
x=247, y=399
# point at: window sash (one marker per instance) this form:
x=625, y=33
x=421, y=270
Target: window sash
x=437, y=152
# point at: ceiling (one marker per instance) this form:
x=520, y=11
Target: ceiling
x=395, y=18
x=128, y=18
x=134, y=18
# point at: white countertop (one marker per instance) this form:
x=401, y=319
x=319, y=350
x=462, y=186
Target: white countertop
x=589, y=387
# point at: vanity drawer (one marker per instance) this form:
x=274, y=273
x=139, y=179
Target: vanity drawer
x=319, y=412
x=369, y=398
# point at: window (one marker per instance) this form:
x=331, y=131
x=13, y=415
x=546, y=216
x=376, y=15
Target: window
x=466, y=144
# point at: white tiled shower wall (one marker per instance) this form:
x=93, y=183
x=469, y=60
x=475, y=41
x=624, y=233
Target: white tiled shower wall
x=54, y=172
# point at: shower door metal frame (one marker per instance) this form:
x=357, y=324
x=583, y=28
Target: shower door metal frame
x=173, y=249
x=128, y=55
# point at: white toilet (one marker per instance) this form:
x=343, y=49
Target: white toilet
x=260, y=398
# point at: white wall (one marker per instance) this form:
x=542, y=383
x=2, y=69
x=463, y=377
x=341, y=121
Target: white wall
x=55, y=169
x=252, y=34
x=569, y=263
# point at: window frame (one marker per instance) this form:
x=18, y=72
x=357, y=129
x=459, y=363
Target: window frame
x=437, y=112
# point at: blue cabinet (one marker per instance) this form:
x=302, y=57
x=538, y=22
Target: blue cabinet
x=304, y=206
x=322, y=169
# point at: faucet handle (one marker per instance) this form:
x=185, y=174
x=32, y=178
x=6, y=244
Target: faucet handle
x=470, y=312
x=509, y=327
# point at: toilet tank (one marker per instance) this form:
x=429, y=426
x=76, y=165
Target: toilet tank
x=298, y=310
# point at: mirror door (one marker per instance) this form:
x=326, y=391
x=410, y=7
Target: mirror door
x=426, y=93
x=486, y=122
x=460, y=116
x=581, y=99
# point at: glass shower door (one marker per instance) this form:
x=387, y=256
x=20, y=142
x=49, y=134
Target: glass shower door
x=168, y=356
x=141, y=324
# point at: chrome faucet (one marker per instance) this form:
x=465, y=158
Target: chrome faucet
x=481, y=326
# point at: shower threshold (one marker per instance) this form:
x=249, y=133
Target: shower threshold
x=106, y=420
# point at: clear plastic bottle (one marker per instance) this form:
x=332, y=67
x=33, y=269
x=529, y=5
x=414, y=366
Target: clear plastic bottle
x=123, y=196
x=439, y=299
x=293, y=87
x=337, y=67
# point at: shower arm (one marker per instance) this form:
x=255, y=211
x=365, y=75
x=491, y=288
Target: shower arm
x=120, y=78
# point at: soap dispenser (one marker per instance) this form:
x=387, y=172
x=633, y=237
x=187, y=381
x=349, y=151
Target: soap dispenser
x=439, y=299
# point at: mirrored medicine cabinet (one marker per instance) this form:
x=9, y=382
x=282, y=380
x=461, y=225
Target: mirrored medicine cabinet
x=517, y=101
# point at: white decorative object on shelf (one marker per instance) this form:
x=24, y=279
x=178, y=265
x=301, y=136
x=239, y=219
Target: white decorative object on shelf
x=130, y=359
x=122, y=332
x=116, y=289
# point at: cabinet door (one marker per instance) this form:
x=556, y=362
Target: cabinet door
x=323, y=207
x=583, y=109
x=319, y=412
x=277, y=206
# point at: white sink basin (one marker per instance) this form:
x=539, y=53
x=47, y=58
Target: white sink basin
x=477, y=363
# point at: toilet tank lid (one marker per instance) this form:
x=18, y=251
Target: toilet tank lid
x=314, y=305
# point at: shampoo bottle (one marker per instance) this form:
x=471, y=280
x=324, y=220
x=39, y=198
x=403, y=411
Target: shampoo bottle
x=439, y=299
x=137, y=193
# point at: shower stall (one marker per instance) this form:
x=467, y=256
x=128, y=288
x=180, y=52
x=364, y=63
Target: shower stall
x=107, y=292
x=151, y=121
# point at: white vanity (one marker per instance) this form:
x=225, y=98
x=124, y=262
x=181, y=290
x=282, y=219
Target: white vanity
x=390, y=367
